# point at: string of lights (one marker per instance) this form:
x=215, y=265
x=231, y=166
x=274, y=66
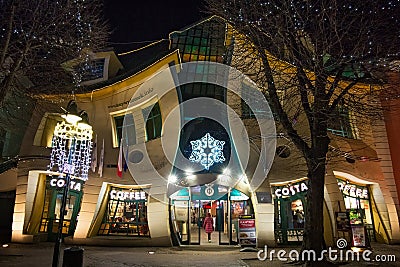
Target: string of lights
x=61, y=145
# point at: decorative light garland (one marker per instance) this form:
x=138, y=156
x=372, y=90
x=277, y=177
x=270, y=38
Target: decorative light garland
x=77, y=140
x=207, y=151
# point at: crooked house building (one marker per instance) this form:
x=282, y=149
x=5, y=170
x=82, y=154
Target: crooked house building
x=167, y=186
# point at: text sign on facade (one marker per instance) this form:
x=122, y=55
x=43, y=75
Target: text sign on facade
x=291, y=190
x=60, y=183
x=353, y=190
x=247, y=232
x=127, y=195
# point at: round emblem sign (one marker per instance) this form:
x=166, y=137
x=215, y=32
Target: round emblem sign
x=209, y=191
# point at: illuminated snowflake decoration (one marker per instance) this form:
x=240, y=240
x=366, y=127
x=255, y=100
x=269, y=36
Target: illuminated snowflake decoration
x=207, y=151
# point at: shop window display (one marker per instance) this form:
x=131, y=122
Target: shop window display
x=51, y=210
x=290, y=200
x=357, y=201
x=126, y=214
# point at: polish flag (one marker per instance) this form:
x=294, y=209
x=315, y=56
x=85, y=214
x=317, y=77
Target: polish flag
x=120, y=163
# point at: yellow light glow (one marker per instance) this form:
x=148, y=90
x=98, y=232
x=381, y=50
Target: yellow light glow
x=72, y=119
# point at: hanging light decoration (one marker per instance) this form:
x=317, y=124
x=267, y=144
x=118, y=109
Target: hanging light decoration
x=207, y=151
x=72, y=145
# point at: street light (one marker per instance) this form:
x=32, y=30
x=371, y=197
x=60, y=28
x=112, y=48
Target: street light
x=70, y=156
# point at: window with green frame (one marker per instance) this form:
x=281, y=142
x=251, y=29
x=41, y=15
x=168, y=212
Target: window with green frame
x=153, y=118
x=130, y=131
x=340, y=123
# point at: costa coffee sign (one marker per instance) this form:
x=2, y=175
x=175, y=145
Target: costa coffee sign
x=60, y=183
x=291, y=190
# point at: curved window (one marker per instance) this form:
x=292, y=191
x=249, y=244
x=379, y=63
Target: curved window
x=126, y=213
x=341, y=123
x=130, y=131
x=152, y=115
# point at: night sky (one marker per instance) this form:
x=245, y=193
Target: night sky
x=133, y=21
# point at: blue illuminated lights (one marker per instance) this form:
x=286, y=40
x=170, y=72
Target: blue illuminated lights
x=207, y=151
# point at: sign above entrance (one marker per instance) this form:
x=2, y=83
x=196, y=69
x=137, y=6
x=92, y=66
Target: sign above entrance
x=291, y=190
x=130, y=195
x=353, y=190
x=209, y=192
x=60, y=183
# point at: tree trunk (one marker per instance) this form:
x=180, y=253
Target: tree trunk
x=314, y=215
x=314, y=228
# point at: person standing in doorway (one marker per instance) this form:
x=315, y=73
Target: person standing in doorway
x=208, y=225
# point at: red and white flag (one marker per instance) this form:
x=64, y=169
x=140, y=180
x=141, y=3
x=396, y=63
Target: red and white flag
x=120, y=163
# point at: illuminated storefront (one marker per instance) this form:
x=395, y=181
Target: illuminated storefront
x=113, y=210
x=358, y=205
x=189, y=207
x=51, y=207
x=126, y=213
x=289, y=206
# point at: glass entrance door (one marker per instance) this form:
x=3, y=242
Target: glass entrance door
x=289, y=220
x=196, y=222
x=220, y=213
x=187, y=213
x=51, y=213
x=223, y=222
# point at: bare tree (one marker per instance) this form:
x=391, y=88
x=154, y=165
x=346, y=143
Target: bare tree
x=313, y=58
x=36, y=37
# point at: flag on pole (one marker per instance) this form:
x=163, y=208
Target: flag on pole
x=120, y=164
x=93, y=164
x=101, y=163
x=125, y=163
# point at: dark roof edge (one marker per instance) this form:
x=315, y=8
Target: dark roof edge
x=131, y=73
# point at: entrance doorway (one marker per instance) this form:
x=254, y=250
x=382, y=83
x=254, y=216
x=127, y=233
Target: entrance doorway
x=189, y=209
x=289, y=220
x=218, y=210
x=51, y=213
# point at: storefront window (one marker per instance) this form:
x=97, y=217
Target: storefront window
x=126, y=213
x=290, y=201
x=356, y=200
x=51, y=207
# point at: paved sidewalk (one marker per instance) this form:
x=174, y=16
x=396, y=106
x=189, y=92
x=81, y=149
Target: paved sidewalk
x=41, y=254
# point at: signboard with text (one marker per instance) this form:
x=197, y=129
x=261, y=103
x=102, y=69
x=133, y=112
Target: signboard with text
x=359, y=236
x=247, y=231
x=342, y=221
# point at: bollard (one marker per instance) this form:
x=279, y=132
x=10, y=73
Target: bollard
x=73, y=257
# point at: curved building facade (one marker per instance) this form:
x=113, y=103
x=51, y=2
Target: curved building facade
x=184, y=158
